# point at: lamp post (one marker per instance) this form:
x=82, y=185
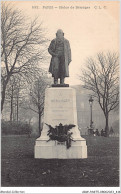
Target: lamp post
x=91, y=102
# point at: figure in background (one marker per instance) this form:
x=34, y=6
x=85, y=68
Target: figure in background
x=97, y=132
x=111, y=130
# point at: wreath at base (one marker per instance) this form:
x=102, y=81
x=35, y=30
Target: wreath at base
x=61, y=133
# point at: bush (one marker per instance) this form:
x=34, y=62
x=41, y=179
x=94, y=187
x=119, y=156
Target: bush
x=16, y=128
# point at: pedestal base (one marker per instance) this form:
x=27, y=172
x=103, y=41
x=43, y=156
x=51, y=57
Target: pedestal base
x=60, y=85
x=54, y=149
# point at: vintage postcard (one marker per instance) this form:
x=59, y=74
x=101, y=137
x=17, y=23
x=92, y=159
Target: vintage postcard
x=60, y=96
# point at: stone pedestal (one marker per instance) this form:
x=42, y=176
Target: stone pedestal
x=60, y=107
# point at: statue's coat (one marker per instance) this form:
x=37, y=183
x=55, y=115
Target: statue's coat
x=67, y=54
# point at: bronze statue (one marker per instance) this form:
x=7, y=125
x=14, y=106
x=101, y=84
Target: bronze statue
x=61, y=57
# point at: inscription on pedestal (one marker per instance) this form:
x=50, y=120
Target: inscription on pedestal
x=59, y=107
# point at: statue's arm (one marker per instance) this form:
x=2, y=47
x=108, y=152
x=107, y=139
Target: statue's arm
x=51, y=48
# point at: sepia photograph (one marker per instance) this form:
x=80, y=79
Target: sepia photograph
x=60, y=79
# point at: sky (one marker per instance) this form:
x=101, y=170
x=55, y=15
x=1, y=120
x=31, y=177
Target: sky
x=89, y=30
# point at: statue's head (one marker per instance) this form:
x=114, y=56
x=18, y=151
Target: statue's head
x=59, y=33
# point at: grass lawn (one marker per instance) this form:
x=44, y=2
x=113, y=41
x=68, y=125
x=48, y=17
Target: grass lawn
x=19, y=168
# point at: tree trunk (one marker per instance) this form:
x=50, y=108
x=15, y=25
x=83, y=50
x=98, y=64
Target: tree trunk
x=11, y=113
x=3, y=95
x=106, y=126
x=5, y=82
x=17, y=108
x=40, y=123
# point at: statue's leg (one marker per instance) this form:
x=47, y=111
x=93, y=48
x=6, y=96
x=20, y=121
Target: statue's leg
x=55, y=80
x=62, y=80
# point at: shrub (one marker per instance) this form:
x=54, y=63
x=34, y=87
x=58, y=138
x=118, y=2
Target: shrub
x=17, y=128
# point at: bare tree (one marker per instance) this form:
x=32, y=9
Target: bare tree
x=101, y=76
x=13, y=94
x=37, y=96
x=10, y=95
x=22, y=46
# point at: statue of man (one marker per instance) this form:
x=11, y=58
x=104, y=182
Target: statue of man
x=61, y=57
